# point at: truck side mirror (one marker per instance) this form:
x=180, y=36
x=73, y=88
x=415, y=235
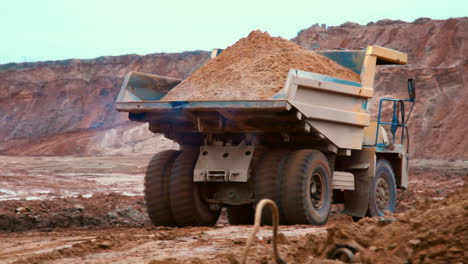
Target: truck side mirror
x=411, y=89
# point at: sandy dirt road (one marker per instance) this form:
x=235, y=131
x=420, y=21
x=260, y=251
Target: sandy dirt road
x=136, y=245
x=90, y=210
x=33, y=178
x=53, y=177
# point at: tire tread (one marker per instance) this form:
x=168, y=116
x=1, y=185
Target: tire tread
x=293, y=198
x=187, y=211
x=267, y=183
x=156, y=188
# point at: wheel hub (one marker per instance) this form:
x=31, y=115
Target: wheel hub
x=316, y=190
x=382, y=194
x=313, y=188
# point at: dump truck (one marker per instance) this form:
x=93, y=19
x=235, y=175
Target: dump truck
x=310, y=145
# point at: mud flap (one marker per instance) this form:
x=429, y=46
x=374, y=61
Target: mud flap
x=356, y=202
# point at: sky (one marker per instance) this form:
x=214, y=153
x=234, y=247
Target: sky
x=38, y=30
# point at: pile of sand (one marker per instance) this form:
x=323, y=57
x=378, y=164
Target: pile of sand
x=254, y=68
x=434, y=232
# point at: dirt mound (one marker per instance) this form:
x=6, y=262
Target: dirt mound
x=123, y=139
x=254, y=68
x=435, y=232
x=99, y=210
x=437, y=61
x=46, y=99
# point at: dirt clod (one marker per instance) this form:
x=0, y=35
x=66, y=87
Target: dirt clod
x=78, y=207
x=20, y=210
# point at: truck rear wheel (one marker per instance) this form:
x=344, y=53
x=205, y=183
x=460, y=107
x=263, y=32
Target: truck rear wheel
x=189, y=208
x=157, y=188
x=267, y=182
x=306, y=194
x=240, y=214
x=382, y=190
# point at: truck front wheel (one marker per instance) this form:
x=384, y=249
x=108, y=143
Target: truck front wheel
x=382, y=190
x=307, y=188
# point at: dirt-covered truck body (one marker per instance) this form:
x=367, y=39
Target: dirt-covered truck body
x=312, y=144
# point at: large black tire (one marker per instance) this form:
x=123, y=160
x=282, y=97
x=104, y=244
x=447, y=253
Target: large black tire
x=306, y=194
x=267, y=182
x=240, y=214
x=382, y=190
x=188, y=206
x=157, y=188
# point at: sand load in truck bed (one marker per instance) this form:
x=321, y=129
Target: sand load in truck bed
x=254, y=68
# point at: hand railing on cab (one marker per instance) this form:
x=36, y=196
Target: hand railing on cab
x=399, y=117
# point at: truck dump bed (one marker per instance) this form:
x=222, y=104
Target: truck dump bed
x=310, y=104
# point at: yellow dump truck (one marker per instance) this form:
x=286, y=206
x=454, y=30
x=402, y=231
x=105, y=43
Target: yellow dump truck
x=310, y=145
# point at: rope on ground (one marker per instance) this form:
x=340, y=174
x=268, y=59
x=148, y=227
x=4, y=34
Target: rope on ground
x=258, y=220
